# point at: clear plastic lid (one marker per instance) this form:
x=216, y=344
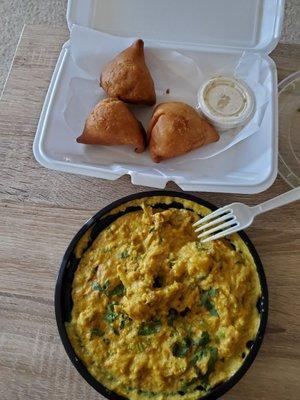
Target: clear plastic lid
x=289, y=132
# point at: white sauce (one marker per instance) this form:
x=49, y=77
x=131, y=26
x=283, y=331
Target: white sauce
x=226, y=102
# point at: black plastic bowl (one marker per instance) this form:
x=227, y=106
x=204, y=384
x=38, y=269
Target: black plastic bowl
x=63, y=300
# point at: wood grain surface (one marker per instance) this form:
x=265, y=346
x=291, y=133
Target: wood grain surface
x=41, y=210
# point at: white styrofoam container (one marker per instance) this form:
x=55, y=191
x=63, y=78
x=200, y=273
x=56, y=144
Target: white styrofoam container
x=220, y=26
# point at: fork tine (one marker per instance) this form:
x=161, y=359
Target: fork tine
x=215, y=221
x=212, y=215
x=217, y=228
x=221, y=234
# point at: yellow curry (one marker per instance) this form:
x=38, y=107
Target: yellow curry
x=155, y=312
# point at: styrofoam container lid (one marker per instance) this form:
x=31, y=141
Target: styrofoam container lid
x=238, y=24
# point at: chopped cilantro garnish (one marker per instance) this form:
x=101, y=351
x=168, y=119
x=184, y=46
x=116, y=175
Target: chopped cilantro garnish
x=198, y=355
x=213, y=292
x=221, y=334
x=105, y=286
x=140, y=347
x=207, y=303
x=146, y=393
x=213, y=312
x=180, y=349
x=110, y=315
x=173, y=314
x=99, y=288
x=124, y=254
x=119, y=290
x=149, y=328
x=96, y=332
x=204, y=340
x=213, y=357
x=124, y=320
x=96, y=286
x=187, y=385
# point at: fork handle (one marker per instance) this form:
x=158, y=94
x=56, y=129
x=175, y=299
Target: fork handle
x=281, y=200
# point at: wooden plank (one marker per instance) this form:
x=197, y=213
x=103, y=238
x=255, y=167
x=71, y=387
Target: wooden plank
x=40, y=212
x=287, y=58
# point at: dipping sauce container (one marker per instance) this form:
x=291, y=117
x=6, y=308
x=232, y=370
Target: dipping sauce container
x=226, y=102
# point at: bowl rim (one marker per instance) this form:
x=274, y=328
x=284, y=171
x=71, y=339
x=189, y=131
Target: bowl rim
x=220, y=389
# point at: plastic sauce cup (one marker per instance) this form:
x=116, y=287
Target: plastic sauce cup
x=226, y=102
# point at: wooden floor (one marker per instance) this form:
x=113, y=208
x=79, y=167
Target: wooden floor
x=41, y=210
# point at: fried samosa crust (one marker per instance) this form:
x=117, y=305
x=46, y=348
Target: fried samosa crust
x=112, y=123
x=177, y=128
x=128, y=78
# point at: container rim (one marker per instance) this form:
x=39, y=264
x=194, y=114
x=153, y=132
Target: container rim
x=220, y=389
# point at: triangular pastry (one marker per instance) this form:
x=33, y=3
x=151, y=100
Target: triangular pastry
x=128, y=78
x=177, y=128
x=112, y=123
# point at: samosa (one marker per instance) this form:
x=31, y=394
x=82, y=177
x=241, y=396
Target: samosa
x=112, y=123
x=128, y=78
x=177, y=128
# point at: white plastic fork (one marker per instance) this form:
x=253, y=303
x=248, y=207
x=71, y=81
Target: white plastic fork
x=238, y=216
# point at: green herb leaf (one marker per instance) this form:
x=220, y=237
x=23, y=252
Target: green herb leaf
x=213, y=357
x=125, y=320
x=99, y=288
x=207, y=303
x=204, y=340
x=213, y=311
x=213, y=292
x=124, y=254
x=187, y=385
x=146, y=393
x=96, y=332
x=110, y=315
x=180, y=349
x=172, y=316
x=221, y=334
x=205, y=382
x=96, y=286
x=140, y=347
x=122, y=323
x=149, y=328
x=197, y=356
x=119, y=290
x=205, y=299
